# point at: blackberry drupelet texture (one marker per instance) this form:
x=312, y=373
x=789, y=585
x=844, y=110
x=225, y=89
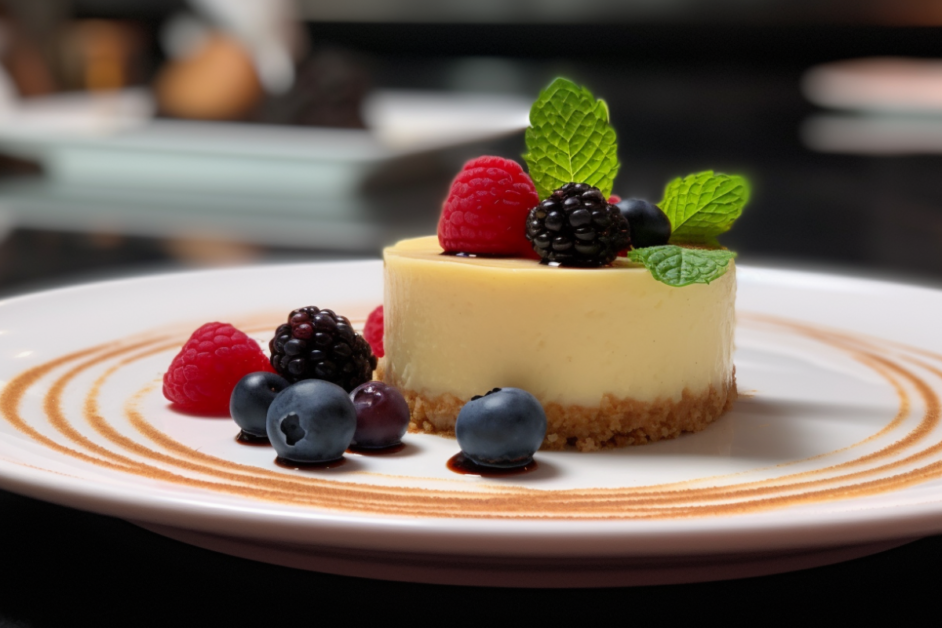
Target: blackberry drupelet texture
x=576, y=226
x=319, y=344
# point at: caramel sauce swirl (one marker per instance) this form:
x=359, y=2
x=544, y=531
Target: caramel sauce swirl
x=911, y=459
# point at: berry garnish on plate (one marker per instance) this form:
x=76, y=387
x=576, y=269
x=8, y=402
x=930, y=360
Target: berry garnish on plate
x=251, y=399
x=382, y=415
x=502, y=428
x=203, y=374
x=488, y=202
x=311, y=421
x=649, y=226
x=373, y=331
x=319, y=344
x=576, y=226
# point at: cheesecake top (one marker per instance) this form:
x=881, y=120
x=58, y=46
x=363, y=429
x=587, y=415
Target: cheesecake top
x=428, y=248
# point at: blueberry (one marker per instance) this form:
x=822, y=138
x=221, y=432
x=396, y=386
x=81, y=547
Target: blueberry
x=251, y=397
x=311, y=421
x=501, y=429
x=382, y=415
x=647, y=224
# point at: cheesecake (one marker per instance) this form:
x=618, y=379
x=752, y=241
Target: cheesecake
x=615, y=356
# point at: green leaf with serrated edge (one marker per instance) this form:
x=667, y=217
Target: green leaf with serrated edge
x=703, y=205
x=570, y=140
x=679, y=266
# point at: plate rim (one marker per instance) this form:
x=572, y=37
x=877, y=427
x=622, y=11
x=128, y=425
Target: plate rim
x=703, y=535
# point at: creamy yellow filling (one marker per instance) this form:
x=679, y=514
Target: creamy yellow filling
x=465, y=325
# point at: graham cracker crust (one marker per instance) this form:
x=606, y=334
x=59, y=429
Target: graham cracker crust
x=615, y=423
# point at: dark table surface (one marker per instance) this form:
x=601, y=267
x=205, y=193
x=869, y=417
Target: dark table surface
x=63, y=567
x=867, y=215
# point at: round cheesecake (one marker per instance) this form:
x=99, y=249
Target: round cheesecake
x=615, y=357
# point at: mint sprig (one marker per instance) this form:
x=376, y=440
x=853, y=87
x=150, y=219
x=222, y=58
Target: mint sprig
x=702, y=206
x=570, y=140
x=679, y=266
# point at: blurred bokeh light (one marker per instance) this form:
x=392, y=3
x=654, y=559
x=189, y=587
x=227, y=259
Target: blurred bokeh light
x=168, y=134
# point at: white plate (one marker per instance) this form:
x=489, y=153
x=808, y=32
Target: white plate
x=834, y=451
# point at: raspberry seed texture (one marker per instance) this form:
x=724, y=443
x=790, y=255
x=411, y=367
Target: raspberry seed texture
x=487, y=208
x=373, y=331
x=202, y=375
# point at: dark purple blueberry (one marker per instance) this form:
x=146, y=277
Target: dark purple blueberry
x=382, y=415
x=251, y=398
x=501, y=429
x=648, y=225
x=311, y=421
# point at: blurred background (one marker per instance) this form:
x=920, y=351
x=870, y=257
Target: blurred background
x=167, y=134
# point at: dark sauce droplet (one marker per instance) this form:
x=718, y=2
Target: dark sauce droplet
x=309, y=466
x=244, y=438
x=376, y=451
x=473, y=255
x=545, y=262
x=459, y=463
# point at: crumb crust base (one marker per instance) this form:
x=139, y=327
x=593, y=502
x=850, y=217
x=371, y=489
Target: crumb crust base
x=616, y=422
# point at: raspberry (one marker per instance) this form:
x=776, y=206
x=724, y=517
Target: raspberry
x=486, y=210
x=201, y=377
x=320, y=344
x=373, y=331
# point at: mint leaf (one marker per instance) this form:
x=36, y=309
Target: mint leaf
x=703, y=205
x=570, y=140
x=678, y=266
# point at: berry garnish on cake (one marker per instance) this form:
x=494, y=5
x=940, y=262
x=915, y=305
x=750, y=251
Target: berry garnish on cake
x=488, y=202
x=570, y=142
x=649, y=226
x=320, y=344
x=576, y=226
x=699, y=208
x=203, y=374
x=632, y=361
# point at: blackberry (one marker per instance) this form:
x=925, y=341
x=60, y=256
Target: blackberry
x=319, y=344
x=576, y=226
